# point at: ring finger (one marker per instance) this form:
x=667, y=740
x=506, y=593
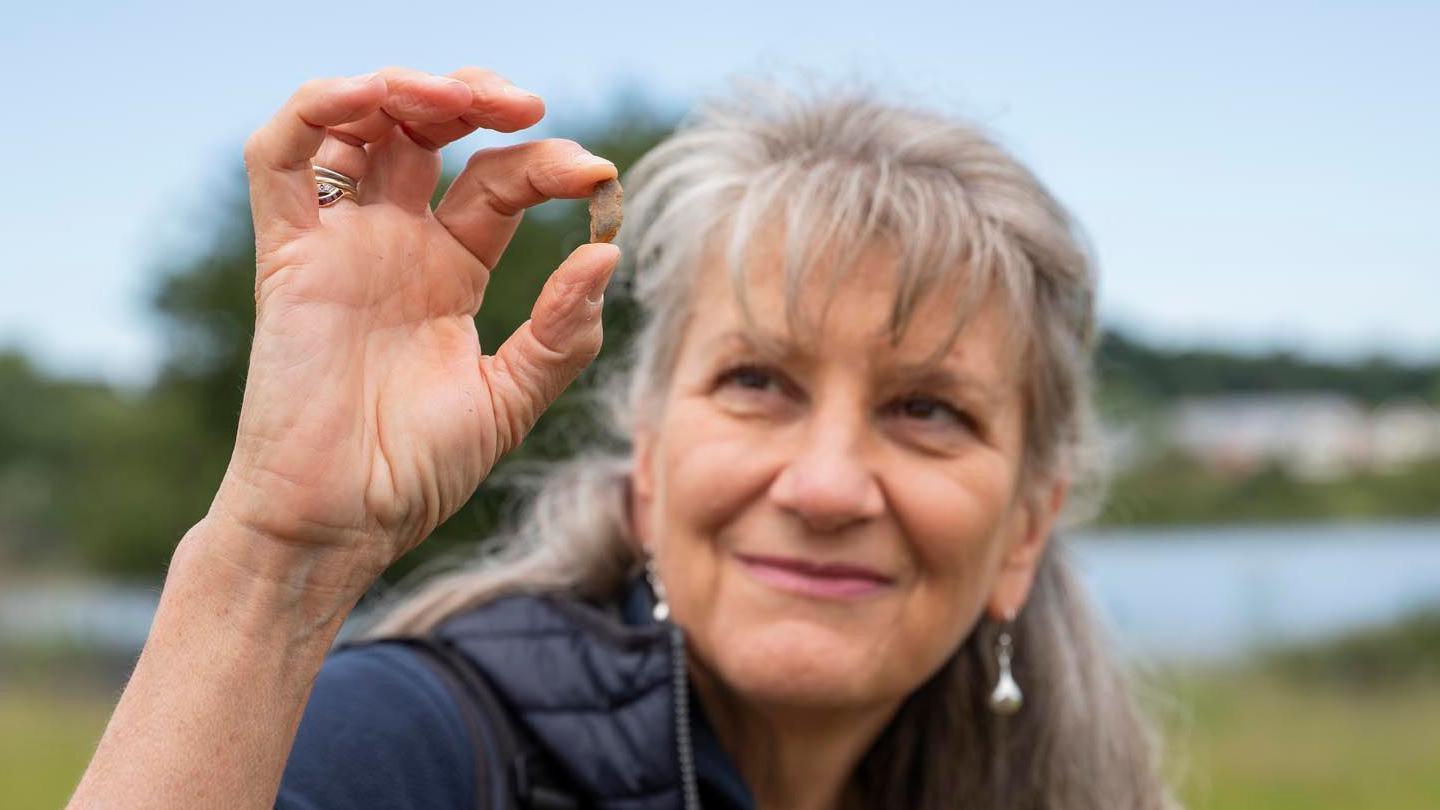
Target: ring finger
x=345, y=154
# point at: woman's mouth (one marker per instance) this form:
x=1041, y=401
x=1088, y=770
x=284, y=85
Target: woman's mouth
x=820, y=580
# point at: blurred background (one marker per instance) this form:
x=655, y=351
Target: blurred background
x=1260, y=182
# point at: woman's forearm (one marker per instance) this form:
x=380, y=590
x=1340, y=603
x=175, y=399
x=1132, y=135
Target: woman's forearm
x=209, y=715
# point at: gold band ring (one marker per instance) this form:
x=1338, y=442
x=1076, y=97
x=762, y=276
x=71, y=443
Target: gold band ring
x=332, y=186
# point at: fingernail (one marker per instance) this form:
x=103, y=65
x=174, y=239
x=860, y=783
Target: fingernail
x=363, y=81
x=586, y=160
x=515, y=92
x=595, y=296
x=446, y=81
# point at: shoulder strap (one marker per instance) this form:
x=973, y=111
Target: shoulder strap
x=516, y=772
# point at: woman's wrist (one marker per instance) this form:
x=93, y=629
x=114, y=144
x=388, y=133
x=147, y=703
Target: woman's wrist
x=209, y=714
x=268, y=583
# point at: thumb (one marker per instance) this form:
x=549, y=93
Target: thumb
x=546, y=353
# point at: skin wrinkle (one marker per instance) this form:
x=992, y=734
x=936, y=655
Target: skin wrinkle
x=491, y=197
x=498, y=412
x=382, y=467
x=415, y=137
x=514, y=423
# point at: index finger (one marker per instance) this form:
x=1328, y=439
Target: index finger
x=278, y=154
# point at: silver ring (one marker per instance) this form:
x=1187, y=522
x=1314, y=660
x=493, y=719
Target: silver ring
x=332, y=186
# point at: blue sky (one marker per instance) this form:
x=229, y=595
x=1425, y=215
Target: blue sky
x=1253, y=176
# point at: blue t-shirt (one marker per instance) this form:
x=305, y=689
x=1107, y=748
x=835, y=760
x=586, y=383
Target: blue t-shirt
x=381, y=730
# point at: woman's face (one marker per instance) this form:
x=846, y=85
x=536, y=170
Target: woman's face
x=829, y=522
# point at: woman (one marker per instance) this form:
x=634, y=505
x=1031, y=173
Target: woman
x=858, y=403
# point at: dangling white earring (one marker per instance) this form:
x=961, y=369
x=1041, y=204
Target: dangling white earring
x=661, y=611
x=1006, y=698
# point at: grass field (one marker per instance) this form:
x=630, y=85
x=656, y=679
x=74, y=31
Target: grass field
x=45, y=740
x=1235, y=742
x=1258, y=742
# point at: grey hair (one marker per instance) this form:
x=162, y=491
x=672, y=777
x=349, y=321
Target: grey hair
x=842, y=169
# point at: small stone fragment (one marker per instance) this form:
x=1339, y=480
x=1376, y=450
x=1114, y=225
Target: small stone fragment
x=605, y=211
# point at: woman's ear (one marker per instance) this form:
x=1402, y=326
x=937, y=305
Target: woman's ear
x=1020, y=560
x=642, y=486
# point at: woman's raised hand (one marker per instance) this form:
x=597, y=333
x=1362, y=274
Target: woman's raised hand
x=370, y=412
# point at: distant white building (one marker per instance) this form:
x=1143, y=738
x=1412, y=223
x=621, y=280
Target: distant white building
x=1402, y=433
x=1312, y=435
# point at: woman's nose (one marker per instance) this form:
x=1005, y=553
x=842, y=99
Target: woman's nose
x=828, y=483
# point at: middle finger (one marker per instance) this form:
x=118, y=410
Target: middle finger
x=407, y=165
x=397, y=167
x=493, y=103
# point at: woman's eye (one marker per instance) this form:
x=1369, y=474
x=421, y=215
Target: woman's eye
x=752, y=380
x=929, y=409
x=753, y=389
x=752, y=377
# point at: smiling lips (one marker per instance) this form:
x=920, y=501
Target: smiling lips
x=822, y=580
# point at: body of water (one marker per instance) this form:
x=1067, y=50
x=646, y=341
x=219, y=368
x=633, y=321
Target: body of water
x=1167, y=594
x=1211, y=592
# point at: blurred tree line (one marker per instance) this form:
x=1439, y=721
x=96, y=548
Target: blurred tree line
x=1179, y=490
x=1161, y=375
x=96, y=478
